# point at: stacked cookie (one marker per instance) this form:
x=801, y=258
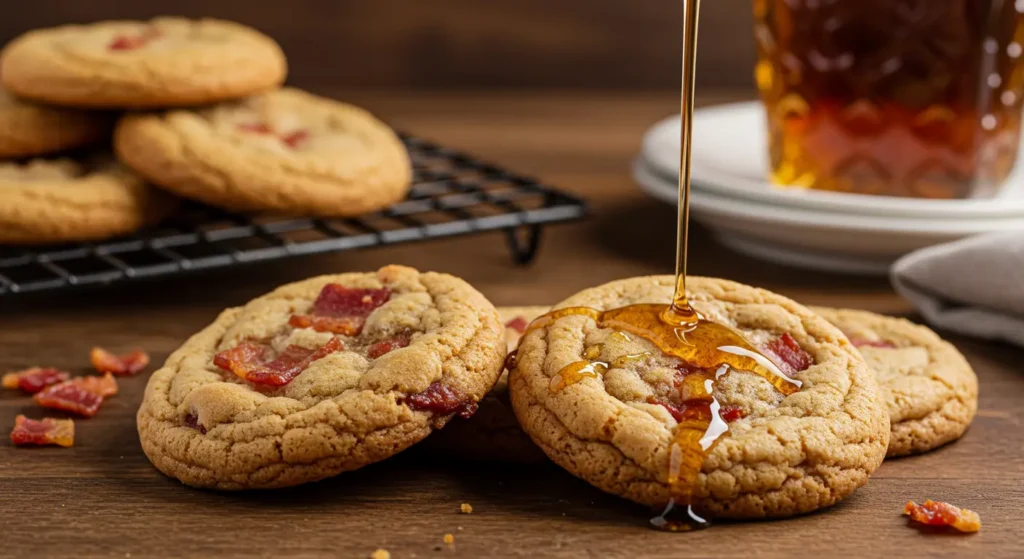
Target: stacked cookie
x=211, y=124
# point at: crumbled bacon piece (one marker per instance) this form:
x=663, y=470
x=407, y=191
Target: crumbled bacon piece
x=81, y=395
x=48, y=431
x=789, y=356
x=341, y=310
x=34, y=379
x=293, y=139
x=442, y=400
x=252, y=361
x=697, y=410
x=384, y=347
x=518, y=324
x=934, y=513
x=128, y=364
x=132, y=42
x=861, y=342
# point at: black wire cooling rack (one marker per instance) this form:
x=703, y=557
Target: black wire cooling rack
x=453, y=194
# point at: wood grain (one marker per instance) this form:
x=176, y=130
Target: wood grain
x=607, y=44
x=103, y=499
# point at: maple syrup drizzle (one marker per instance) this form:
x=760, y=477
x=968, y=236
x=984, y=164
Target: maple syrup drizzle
x=677, y=330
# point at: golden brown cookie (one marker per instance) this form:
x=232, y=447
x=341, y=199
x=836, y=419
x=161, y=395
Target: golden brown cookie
x=615, y=426
x=929, y=387
x=321, y=377
x=53, y=201
x=286, y=151
x=165, y=62
x=493, y=434
x=27, y=129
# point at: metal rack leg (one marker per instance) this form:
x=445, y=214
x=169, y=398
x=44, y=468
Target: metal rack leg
x=523, y=241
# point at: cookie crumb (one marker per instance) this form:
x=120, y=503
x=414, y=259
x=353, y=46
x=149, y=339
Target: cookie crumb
x=449, y=539
x=381, y=554
x=466, y=508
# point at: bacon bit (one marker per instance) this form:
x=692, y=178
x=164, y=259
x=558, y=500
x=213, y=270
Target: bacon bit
x=49, y=431
x=132, y=42
x=104, y=386
x=71, y=397
x=255, y=128
x=295, y=138
x=789, y=356
x=518, y=324
x=340, y=310
x=935, y=513
x=252, y=362
x=387, y=346
x=860, y=342
x=697, y=410
x=34, y=379
x=442, y=400
x=128, y=364
x=192, y=422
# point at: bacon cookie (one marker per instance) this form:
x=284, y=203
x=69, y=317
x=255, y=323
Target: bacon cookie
x=493, y=434
x=53, y=201
x=616, y=424
x=286, y=151
x=929, y=387
x=321, y=377
x=27, y=129
x=166, y=62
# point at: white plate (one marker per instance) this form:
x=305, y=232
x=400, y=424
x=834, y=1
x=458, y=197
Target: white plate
x=730, y=158
x=838, y=242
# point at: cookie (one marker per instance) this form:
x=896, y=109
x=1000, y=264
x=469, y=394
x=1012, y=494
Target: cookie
x=286, y=151
x=54, y=201
x=615, y=427
x=321, y=377
x=929, y=387
x=493, y=434
x=165, y=62
x=27, y=129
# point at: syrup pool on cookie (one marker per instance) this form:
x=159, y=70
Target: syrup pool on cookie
x=706, y=350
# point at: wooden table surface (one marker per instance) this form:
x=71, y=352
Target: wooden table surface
x=103, y=499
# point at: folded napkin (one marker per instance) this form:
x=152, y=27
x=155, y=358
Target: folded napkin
x=973, y=286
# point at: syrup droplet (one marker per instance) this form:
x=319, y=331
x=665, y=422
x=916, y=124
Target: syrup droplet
x=680, y=518
x=576, y=372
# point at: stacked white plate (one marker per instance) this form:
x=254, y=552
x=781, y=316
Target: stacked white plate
x=832, y=231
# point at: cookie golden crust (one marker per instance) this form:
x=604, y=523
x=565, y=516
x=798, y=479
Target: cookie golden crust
x=54, y=201
x=27, y=129
x=285, y=151
x=210, y=428
x=786, y=455
x=929, y=387
x=165, y=62
x=493, y=434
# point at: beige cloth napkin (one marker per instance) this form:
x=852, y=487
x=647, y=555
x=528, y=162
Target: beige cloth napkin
x=973, y=286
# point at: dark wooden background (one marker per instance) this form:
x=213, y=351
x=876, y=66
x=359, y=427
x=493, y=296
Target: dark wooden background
x=441, y=44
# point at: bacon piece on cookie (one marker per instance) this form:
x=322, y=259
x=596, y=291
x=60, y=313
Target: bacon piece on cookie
x=82, y=395
x=34, y=379
x=789, y=356
x=133, y=42
x=127, y=364
x=935, y=513
x=860, y=342
x=387, y=346
x=254, y=361
x=518, y=324
x=341, y=310
x=442, y=400
x=48, y=431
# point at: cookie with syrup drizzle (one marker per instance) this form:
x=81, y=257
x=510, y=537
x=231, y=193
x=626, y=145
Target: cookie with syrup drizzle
x=770, y=412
